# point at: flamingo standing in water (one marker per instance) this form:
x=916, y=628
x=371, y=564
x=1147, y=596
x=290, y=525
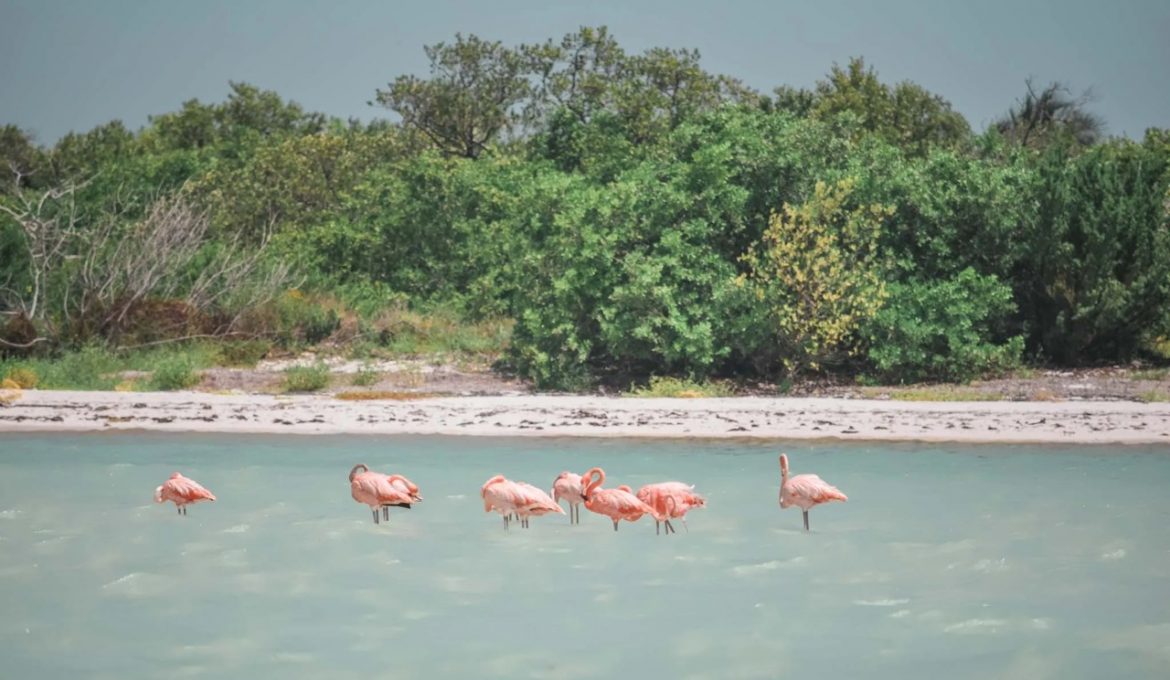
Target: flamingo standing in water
x=805, y=491
x=616, y=504
x=534, y=501
x=182, y=492
x=671, y=499
x=568, y=487
x=501, y=495
x=379, y=491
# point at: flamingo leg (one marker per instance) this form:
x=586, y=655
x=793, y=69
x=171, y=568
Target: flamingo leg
x=615, y=525
x=657, y=527
x=806, y=520
x=685, y=527
x=377, y=520
x=670, y=527
x=386, y=512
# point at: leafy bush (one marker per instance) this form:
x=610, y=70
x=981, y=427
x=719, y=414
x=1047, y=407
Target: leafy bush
x=306, y=378
x=1094, y=277
x=175, y=373
x=943, y=330
x=305, y=318
x=817, y=270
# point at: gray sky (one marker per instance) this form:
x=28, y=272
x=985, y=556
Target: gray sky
x=73, y=64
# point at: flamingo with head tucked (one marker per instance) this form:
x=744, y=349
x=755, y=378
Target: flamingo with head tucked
x=616, y=504
x=501, y=495
x=378, y=491
x=182, y=492
x=534, y=501
x=805, y=491
x=671, y=499
x=568, y=487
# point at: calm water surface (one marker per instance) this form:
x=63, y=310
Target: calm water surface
x=956, y=562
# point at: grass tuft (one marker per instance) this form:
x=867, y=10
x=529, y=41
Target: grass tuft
x=681, y=388
x=306, y=378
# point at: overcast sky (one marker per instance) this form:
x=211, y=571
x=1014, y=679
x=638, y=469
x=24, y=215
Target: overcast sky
x=73, y=64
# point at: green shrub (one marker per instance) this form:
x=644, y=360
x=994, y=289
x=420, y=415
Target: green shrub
x=245, y=353
x=306, y=378
x=174, y=373
x=944, y=330
x=305, y=319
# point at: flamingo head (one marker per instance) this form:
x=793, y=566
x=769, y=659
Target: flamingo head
x=158, y=495
x=354, y=471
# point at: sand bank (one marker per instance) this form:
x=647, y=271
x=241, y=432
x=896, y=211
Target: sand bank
x=1082, y=422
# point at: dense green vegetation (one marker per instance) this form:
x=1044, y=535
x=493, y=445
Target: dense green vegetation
x=589, y=214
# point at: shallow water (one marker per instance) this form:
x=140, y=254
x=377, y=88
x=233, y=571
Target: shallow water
x=958, y=562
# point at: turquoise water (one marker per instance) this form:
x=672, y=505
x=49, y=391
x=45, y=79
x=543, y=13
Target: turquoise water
x=957, y=562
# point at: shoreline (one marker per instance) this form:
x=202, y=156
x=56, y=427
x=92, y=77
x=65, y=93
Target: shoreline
x=780, y=418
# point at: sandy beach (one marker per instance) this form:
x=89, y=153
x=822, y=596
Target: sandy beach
x=1073, y=422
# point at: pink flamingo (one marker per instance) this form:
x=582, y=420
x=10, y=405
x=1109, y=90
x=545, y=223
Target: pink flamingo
x=616, y=504
x=378, y=491
x=406, y=485
x=568, y=487
x=501, y=495
x=182, y=492
x=671, y=499
x=533, y=501
x=805, y=491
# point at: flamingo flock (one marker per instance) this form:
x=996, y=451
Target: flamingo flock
x=520, y=501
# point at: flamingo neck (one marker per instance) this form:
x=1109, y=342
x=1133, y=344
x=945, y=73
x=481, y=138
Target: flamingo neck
x=596, y=478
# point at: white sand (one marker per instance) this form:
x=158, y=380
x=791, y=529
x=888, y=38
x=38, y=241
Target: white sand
x=1080, y=422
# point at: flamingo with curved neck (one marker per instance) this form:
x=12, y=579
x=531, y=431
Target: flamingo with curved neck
x=617, y=504
x=380, y=491
x=671, y=499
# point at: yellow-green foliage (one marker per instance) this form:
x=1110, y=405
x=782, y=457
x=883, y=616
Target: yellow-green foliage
x=818, y=270
x=663, y=386
x=25, y=378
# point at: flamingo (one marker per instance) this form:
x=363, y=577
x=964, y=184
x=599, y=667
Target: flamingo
x=182, y=492
x=533, y=501
x=671, y=499
x=805, y=491
x=378, y=491
x=501, y=495
x=568, y=486
x=402, y=484
x=616, y=504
